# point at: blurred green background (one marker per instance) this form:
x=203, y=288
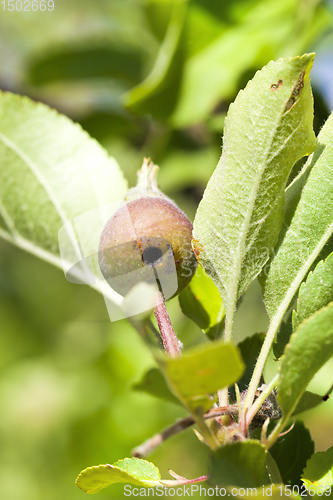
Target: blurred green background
x=145, y=78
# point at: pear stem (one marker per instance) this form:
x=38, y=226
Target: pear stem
x=171, y=343
x=147, y=182
x=147, y=176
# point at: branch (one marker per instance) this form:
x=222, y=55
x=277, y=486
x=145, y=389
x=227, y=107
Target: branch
x=149, y=446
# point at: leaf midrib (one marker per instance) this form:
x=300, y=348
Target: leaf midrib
x=297, y=281
x=8, y=220
x=246, y=224
x=42, y=181
x=17, y=239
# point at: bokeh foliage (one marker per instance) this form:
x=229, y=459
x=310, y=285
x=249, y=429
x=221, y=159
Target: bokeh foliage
x=145, y=78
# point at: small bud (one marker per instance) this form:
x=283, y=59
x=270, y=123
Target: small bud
x=147, y=239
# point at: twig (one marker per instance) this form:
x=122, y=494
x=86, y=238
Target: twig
x=171, y=343
x=148, y=446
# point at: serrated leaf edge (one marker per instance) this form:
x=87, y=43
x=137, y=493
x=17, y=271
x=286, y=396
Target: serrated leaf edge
x=318, y=267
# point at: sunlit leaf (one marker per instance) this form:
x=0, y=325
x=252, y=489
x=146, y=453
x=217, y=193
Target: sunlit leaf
x=130, y=470
x=318, y=472
x=201, y=301
x=268, y=128
x=51, y=172
x=203, y=369
x=198, y=374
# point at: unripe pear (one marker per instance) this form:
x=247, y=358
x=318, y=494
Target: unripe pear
x=147, y=239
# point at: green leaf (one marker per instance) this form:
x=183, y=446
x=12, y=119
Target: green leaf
x=239, y=464
x=309, y=226
x=268, y=128
x=202, y=370
x=52, y=172
x=185, y=168
x=158, y=93
x=316, y=292
x=87, y=60
x=130, y=470
x=249, y=349
x=308, y=401
x=310, y=347
x=201, y=301
x=291, y=453
x=272, y=469
x=256, y=32
x=198, y=374
x=282, y=337
x=153, y=383
x=319, y=471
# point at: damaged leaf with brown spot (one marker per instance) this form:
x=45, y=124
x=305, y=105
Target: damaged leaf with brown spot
x=267, y=130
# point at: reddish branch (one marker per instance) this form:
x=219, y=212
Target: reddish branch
x=171, y=343
x=148, y=446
